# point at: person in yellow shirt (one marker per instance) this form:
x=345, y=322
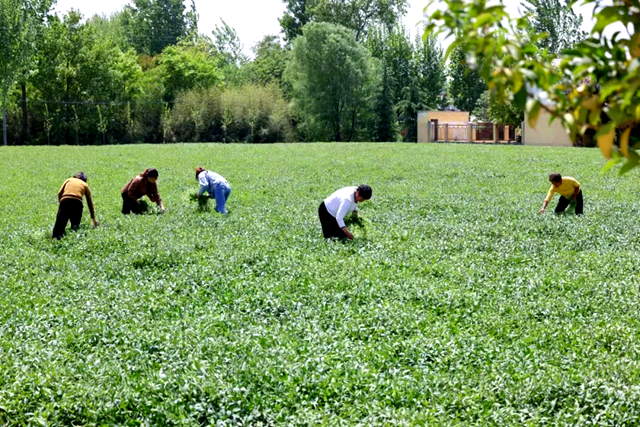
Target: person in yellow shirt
x=70, y=204
x=568, y=188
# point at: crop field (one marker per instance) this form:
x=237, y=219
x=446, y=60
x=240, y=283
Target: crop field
x=456, y=304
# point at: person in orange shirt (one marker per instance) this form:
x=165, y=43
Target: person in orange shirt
x=569, y=189
x=70, y=204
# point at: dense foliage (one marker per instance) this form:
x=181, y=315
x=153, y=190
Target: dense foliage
x=455, y=305
x=332, y=79
x=69, y=79
x=592, y=87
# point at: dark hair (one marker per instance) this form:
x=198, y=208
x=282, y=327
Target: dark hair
x=150, y=173
x=199, y=170
x=365, y=191
x=81, y=175
x=555, y=177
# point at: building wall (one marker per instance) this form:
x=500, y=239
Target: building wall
x=544, y=133
x=424, y=117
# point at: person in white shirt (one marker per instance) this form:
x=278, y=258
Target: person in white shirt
x=215, y=185
x=338, y=205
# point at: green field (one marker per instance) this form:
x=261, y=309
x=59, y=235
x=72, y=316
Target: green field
x=456, y=304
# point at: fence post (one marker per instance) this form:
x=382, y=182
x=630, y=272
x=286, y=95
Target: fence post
x=446, y=132
x=429, y=130
x=506, y=133
x=470, y=132
x=495, y=133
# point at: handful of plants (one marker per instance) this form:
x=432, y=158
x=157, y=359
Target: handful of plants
x=202, y=200
x=144, y=207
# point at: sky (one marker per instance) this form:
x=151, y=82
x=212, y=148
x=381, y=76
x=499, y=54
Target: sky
x=254, y=19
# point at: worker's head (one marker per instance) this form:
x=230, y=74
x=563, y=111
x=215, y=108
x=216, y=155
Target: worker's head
x=151, y=174
x=363, y=192
x=81, y=175
x=199, y=170
x=555, y=179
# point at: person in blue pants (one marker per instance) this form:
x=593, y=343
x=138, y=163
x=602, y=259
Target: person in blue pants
x=215, y=185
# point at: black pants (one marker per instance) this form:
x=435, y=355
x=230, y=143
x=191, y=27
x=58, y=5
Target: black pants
x=330, y=227
x=68, y=210
x=129, y=205
x=563, y=203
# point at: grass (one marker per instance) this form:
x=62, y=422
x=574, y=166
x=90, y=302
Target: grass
x=456, y=304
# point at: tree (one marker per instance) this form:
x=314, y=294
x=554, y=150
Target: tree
x=188, y=66
x=466, y=84
x=19, y=24
x=488, y=110
x=152, y=25
x=294, y=18
x=556, y=19
x=332, y=78
x=358, y=15
x=429, y=68
x=386, y=121
x=411, y=103
x=592, y=87
x=270, y=61
x=395, y=49
x=228, y=47
x=78, y=67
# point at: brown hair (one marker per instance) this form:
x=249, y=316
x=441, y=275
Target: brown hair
x=81, y=175
x=199, y=170
x=555, y=177
x=150, y=173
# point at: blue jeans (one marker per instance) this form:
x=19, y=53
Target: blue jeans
x=221, y=193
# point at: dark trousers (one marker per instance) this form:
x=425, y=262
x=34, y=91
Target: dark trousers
x=129, y=205
x=563, y=203
x=68, y=210
x=330, y=227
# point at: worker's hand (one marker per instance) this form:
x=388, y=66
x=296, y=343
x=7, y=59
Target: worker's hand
x=161, y=209
x=95, y=223
x=541, y=211
x=197, y=196
x=349, y=235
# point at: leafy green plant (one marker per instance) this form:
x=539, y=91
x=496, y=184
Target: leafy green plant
x=456, y=304
x=593, y=86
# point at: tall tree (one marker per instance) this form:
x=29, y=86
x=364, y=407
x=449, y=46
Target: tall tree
x=358, y=15
x=20, y=21
x=228, y=47
x=153, y=25
x=77, y=69
x=270, y=61
x=411, y=103
x=295, y=17
x=333, y=79
x=394, y=48
x=465, y=85
x=188, y=66
x=385, y=117
x=558, y=20
x=429, y=69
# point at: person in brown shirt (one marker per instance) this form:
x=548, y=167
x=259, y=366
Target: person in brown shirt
x=142, y=185
x=70, y=204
